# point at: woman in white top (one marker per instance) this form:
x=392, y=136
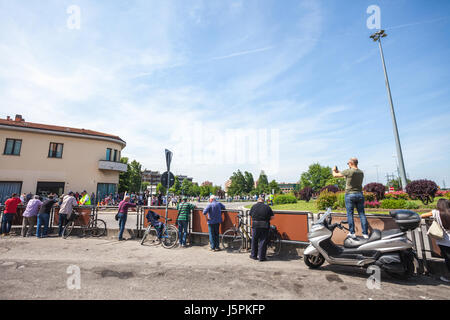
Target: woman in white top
x=442, y=216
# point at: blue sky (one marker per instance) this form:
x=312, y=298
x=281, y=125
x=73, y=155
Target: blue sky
x=154, y=72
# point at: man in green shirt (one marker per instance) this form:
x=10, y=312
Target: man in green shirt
x=184, y=210
x=353, y=195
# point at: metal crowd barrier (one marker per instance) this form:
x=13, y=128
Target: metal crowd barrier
x=293, y=226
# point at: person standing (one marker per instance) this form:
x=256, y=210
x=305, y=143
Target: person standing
x=43, y=217
x=9, y=213
x=184, y=210
x=124, y=205
x=442, y=216
x=213, y=213
x=65, y=209
x=261, y=214
x=354, y=196
x=85, y=199
x=29, y=216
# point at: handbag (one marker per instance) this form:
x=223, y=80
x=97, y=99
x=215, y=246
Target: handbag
x=117, y=214
x=436, y=231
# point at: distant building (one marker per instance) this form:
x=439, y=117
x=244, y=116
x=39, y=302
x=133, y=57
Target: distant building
x=287, y=187
x=154, y=178
x=227, y=185
x=43, y=159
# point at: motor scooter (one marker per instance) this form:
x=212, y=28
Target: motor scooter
x=391, y=250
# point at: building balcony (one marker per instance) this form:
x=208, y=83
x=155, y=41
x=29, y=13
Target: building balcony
x=112, y=166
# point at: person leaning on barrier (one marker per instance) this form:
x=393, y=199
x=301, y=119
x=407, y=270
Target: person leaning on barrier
x=85, y=199
x=43, y=217
x=123, y=213
x=354, y=196
x=213, y=213
x=30, y=216
x=184, y=209
x=442, y=216
x=66, y=208
x=261, y=214
x=9, y=213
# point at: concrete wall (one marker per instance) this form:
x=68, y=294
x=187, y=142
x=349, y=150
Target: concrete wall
x=78, y=167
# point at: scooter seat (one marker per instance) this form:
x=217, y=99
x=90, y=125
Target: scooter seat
x=359, y=241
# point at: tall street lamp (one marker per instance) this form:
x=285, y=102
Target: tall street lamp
x=377, y=37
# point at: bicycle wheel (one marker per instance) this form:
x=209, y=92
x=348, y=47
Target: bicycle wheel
x=68, y=229
x=170, y=236
x=98, y=228
x=274, y=245
x=232, y=241
x=150, y=236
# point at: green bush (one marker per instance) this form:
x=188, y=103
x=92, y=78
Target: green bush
x=284, y=199
x=447, y=195
x=326, y=199
x=393, y=204
x=411, y=205
x=340, y=202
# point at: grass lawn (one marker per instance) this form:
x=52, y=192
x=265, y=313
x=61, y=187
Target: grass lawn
x=310, y=206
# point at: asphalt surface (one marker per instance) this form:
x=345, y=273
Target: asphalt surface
x=41, y=269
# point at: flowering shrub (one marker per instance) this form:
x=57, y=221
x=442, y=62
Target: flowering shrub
x=330, y=188
x=304, y=194
x=376, y=188
x=369, y=196
x=442, y=193
x=425, y=190
x=397, y=195
x=372, y=204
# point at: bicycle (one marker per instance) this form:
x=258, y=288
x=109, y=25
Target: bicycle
x=234, y=239
x=95, y=227
x=169, y=235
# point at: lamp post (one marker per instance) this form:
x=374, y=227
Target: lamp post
x=377, y=37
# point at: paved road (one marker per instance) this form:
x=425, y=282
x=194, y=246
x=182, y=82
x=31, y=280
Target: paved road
x=37, y=269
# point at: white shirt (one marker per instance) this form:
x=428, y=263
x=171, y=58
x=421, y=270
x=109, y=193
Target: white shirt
x=446, y=240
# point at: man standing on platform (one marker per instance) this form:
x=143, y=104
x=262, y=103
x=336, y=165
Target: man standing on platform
x=261, y=214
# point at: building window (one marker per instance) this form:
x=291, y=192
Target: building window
x=55, y=150
x=12, y=147
x=108, y=154
x=115, y=155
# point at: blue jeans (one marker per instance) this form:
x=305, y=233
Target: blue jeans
x=353, y=200
x=122, y=221
x=42, y=220
x=62, y=222
x=182, y=231
x=214, y=235
x=7, y=222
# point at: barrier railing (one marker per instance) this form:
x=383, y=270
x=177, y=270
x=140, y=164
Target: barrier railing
x=293, y=226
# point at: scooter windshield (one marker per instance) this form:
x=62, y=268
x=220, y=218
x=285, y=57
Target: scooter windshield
x=324, y=217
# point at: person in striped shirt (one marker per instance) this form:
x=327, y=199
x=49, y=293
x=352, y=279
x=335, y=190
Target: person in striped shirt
x=184, y=210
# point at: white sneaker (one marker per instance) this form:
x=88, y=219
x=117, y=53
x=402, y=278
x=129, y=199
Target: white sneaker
x=352, y=235
x=365, y=236
x=445, y=279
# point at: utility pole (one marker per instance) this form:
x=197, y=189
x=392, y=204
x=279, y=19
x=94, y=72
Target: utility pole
x=377, y=37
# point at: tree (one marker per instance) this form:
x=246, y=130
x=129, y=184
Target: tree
x=194, y=190
x=185, y=185
x=263, y=183
x=145, y=185
x=316, y=177
x=377, y=188
x=338, y=182
x=273, y=185
x=425, y=190
x=124, y=177
x=176, y=188
x=135, y=176
x=238, y=185
x=161, y=189
x=249, y=182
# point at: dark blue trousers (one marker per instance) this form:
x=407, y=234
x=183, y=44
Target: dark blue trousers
x=260, y=238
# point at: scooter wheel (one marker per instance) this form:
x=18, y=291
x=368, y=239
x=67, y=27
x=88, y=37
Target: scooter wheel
x=314, y=262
